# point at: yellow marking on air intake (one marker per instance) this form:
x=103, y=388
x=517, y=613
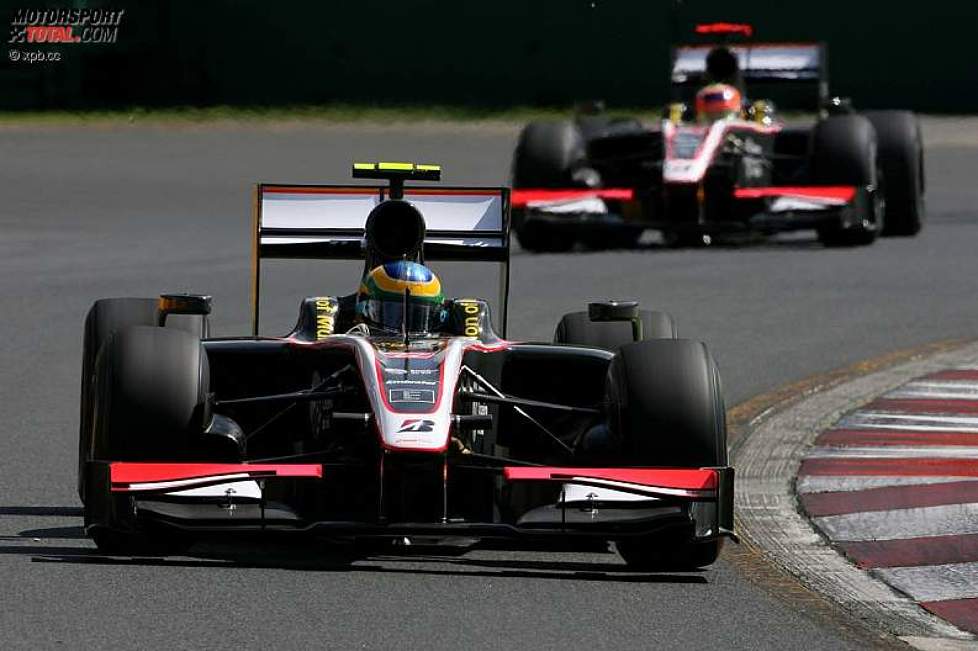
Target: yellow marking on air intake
x=428, y=168
x=473, y=328
x=364, y=166
x=326, y=309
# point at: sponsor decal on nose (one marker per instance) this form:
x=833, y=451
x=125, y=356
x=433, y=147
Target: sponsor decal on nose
x=417, y=425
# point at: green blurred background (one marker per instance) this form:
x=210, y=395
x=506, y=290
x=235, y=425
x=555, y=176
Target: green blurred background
x=488, y=54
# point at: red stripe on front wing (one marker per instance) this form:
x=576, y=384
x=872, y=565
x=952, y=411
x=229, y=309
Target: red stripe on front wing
x=134, y=473
x=520, y=198
x=679, y=478
x=838, y=193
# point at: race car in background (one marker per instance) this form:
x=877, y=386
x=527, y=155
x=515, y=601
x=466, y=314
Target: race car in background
x=603, y=181
x=427, y=428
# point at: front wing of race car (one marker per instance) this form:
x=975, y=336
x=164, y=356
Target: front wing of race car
x=785, y=208
x=543, y=502
x=760, y=209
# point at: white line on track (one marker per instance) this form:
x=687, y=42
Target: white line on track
x=936, y=390
x=924, y=422
x=849, y=483
x=895, y=452
x=899, y=524
x=934, y=582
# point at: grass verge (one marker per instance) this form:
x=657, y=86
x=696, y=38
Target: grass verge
x=325, y=114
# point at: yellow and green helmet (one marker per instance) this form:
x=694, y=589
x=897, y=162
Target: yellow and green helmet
x=381, y=299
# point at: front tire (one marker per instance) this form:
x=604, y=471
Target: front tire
x=106, y=317
x=901, y=155
x=546, y=156
x=150, y=404
x=666, y=409
x=844, y=152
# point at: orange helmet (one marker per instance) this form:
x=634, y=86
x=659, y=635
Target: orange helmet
x=717, y=102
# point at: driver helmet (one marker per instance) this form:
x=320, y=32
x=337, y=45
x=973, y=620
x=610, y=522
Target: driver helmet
x=381, y=300
x=717, y=102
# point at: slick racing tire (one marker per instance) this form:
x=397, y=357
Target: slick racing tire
x=844, y=152
x=901, y=154
x=546, y=156
x=547, y=153
x=666, y=409
x=150, y=391
x=106, y=317
x=577, y=329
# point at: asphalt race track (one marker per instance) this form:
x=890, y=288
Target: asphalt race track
x=138, y=210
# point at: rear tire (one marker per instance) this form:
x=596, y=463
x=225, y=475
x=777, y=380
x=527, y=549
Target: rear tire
x=901, y=155
x=844, y=152
x=546, y=155
x=106, y=317
x=666, y=409
x=577, y=328
x=150, y=401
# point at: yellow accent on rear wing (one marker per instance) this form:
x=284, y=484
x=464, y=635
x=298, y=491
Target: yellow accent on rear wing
x=402, y=171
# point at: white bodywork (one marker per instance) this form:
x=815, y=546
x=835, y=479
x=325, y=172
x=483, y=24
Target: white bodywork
x=690, y=149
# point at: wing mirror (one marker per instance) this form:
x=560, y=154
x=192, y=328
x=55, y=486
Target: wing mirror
x=617, y=311
x=762, y=111
x=677, y=112
x=168, y=304
x=837, y=106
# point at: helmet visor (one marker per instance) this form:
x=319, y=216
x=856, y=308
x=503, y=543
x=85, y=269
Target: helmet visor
x=390, y=316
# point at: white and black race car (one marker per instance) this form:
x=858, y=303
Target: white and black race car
x=603, y=181
x=615, y=431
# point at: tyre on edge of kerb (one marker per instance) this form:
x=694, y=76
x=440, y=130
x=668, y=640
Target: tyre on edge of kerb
x=844, y=152
x=577, y=328
x=546, y=155
x=901, y=159
x=666, y=408
x=106, y=316
x=150, y=389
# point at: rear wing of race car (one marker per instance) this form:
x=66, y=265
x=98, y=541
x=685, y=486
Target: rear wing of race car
x=326, y=222
x=760, y=63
